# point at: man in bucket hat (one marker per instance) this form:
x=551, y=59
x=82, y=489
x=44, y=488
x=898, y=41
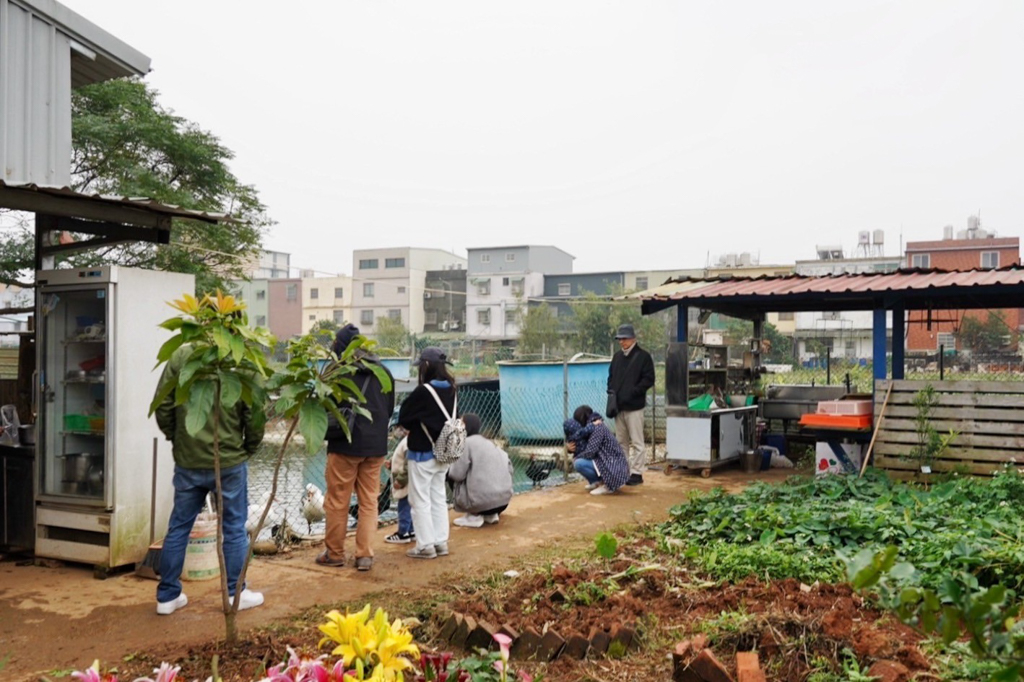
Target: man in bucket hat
x=630, y=376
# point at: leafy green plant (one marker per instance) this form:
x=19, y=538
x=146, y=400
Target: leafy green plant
x=930, y=443
x=225, y=363
x=606, y=544
x=988, y=616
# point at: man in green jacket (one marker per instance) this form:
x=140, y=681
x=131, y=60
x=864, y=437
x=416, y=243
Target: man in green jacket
x=240, y=432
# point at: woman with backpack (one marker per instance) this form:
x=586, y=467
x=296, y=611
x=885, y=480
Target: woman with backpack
x=424, y=414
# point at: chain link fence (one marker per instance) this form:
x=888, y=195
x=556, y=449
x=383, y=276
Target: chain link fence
x=523, y=415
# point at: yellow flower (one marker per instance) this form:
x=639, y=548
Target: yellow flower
x=187, y=304
x=374, y=643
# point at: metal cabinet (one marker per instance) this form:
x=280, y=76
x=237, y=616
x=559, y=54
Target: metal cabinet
x=704, y=440
x=17, y=529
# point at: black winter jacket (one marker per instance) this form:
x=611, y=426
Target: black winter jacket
x=369, y=438
x=631, y=376
x=421, y=408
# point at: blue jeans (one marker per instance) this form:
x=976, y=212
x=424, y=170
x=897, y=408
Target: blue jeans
x=586, y=468
x=404, y=516
x=190, y=489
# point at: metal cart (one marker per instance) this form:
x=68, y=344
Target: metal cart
x=708, y=440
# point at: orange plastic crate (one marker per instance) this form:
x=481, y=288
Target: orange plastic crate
x=837, y=421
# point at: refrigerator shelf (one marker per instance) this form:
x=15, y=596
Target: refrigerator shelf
x=95, y=434
x=84, y=339
x=88, y=380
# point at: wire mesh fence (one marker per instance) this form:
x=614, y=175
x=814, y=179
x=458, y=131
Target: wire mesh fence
x=523, y=415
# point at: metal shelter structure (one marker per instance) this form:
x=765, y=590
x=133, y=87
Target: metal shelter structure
x=882, y=293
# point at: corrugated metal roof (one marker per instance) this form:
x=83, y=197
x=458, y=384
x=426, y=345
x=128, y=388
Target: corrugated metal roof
x=923, y=287
x=138, y=203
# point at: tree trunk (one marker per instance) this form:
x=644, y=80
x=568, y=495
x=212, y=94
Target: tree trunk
x=230, y=609
x=273, y=494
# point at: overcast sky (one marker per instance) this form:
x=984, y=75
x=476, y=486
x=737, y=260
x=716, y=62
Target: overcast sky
x=634, y=135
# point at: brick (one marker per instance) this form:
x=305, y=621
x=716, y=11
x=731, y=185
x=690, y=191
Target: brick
x=557, y=596
x=576, y=646
x=623, y=634
x=682, y=672
x=699, y=641
x=551, y=645
x=507, y=629
x=525, y=645
x=449, y=626
x=710, y=668
x=748, y=668
x=467, y=626
x=482, y=636
x=599, y=641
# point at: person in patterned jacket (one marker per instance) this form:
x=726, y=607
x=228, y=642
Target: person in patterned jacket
x=597, y=454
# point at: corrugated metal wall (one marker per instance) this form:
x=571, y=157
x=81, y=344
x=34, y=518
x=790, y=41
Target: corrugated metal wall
x=35, y=98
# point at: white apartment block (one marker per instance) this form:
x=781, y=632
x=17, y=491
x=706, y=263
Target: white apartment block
x=847, y=333
x=254, y=294
x=326, y=298
x=270, y=265
x=499, y=279
x=391, y=283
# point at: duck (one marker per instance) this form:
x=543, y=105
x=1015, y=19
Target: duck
x=275, y=516
x=313, y=505
x=539, y=471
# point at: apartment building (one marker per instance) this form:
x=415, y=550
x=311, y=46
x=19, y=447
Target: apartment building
x=391, y=283
x=270, y=265
x=970, y=249
x=254, y=294
x=284, y=308
x=500, y=279
x=560, y=290
x=444, y=301
x=325, y=298
x=843, y=333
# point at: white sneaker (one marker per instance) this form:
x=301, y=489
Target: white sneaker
x=249, y=599
x=601, y=490
x=592, y=486
x=491, y=518
x=166, y=608
x=469, y=521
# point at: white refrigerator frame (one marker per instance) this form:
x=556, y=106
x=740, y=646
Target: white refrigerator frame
x=115, y=530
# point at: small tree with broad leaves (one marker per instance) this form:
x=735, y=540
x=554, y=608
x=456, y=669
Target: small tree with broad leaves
x=227, y=363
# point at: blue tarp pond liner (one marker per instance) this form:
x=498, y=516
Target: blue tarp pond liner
x=533, y=396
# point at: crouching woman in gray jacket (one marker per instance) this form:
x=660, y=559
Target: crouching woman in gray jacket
x=481, y=479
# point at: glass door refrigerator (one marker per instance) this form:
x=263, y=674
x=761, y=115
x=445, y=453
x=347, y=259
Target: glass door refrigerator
x=100, y=455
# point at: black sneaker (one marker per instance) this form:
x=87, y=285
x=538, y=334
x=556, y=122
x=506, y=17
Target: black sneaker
x=400, y=538
x=635, y=479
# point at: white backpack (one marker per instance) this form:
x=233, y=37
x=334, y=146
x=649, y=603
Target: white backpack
x=451, y=442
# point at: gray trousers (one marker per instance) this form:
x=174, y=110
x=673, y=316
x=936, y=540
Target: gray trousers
x=629, y=431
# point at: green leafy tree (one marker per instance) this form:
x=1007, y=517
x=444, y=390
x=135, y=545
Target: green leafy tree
x=985, y=335
x=592, y=328
x=539, y=330
x=780, y=346
x=125, y=143
x=324, y=331
x=391, y=335
x=651, y=330
x=227, y=363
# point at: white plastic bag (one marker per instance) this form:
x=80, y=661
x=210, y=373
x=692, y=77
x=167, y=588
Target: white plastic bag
x=9, y=425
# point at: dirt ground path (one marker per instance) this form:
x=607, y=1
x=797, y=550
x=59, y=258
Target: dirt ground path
x=56, y=619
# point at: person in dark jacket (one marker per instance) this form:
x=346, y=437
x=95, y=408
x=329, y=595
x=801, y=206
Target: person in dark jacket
x=630, y=376
x=356, y=464
x=423, y=418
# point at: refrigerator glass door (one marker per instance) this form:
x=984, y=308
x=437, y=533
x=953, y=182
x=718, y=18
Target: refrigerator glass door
x=73, y=460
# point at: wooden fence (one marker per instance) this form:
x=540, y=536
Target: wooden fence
x=987, y=416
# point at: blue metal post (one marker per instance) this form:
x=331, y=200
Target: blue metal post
x=682, y=324
x=898, y=342
x=878, y=344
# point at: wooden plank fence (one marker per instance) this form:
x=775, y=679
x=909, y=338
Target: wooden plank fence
x=987, y=416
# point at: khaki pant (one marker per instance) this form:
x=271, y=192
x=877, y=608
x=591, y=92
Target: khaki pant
x=345, y=472
x=629, y=431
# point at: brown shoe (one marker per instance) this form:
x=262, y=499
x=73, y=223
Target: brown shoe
x=324, y=559
x=364, y=563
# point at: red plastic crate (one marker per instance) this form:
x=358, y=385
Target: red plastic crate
x=837, y=421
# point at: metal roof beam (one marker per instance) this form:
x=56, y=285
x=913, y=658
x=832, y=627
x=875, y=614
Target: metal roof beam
x=92, y=209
